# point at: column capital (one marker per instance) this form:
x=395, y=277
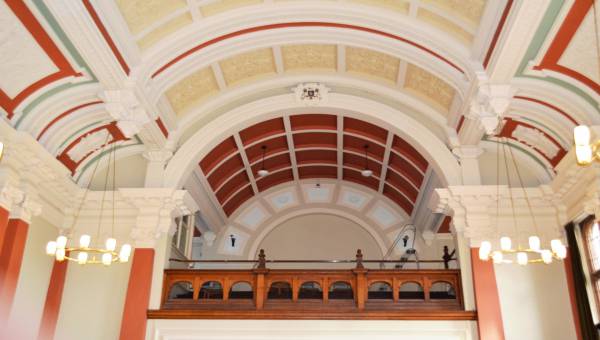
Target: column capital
x=26, y=209
x=489, y=102
x=124, y=106
x=156, y=209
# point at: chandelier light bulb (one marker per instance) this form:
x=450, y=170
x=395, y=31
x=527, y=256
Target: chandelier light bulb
x=562, y=252
x=522, y=258
x=583, y=154
x=106, y=259
x=82, y=257
x=60, y=254
x=581, y=135
x=125, y=253
x=366, y=173
x=484, y=250
x=61, y=242
x=497, y=257
x=546, y=256
x=51, y=248
x=111, y=244
x=534, y=243
x=263, y=172
x=84, y=241
x=505, y=243
x=555, y=245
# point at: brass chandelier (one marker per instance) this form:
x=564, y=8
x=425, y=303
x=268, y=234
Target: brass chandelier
x=533, y=253
x=85, y=253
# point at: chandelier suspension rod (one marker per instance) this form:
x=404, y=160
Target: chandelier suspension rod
x=533, y=219
x=512, y=203
x=103, y=195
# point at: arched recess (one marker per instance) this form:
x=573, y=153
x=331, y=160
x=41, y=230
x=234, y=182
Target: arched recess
x=354, y=217
x=214, y=132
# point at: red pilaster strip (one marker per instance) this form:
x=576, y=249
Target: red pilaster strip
x=53, y=300
x=3, y=225
x=133, y=324
x=489, y=315
x=571, y=287
x=11, y=257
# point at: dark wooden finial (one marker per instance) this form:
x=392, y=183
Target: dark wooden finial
x=262, y=262
x=359, y=259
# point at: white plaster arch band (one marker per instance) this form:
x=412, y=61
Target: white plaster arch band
x=239, y=93
x=288, y=215
x=202, y=141
x=310, y=35
x=376, y=21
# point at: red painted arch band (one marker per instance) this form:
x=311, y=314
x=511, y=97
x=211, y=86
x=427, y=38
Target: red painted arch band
x=301, y=24
x=64, y=114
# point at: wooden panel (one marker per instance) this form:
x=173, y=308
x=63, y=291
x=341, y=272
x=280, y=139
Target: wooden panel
x=359, y=279
x=262, y=130
x=357, y=145
x=232, y=185
x=398, y=198
x=400, y=183
x=237, y=200
x=360, y=127
x=273, y=163
x=402, y=147
x=274, y=145
x=406, y=169
x=217, y=154
x=274, y=179
x=317, y=172
x=225, y=170
x=315, y=140
x=316, y=156
x=355, y=176
x=358, y=162
x=313, y=122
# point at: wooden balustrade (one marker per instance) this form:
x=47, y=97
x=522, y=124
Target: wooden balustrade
x=357, y=293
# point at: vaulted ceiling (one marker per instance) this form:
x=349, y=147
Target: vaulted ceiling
x=152, y=75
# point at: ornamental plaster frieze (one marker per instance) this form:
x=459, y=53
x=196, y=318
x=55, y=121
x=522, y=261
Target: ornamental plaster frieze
x=481, y=212
x=486, y=107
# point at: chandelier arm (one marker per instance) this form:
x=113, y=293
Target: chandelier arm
x=534, y=220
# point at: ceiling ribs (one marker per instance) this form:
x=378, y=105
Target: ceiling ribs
x=386, y=161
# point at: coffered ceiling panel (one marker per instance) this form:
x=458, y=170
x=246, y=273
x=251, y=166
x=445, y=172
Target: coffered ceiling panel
x=469, y=10
x=300, y=57
x=428, y=86
x=245, y=66
x=445, y=25
x=140, y=14
x=372, y=63
x=400, y=6
x=192, y=90
x=217, y=7
x=307, y=147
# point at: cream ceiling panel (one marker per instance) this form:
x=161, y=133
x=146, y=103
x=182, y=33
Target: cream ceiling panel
x=372, y=63
x=248, y=65
x=469, y=10
x=140, y=14
x=226, y=5
x=309, y=57
x=445, y=25
x=429, y=86
x=192, y=90
x=164, y=30
x=394, y=5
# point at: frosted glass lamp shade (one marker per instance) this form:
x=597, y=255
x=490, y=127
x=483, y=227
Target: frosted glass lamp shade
x=534, y=243
x=484, y=250
x=61, y=241
x=51, y=248
x=84, y=241
x=522, y=258
x=505, y=243
x=106, y=259
x=60, y=254
x=497, y=257
x=111, y=244
x=583, y=154
x=82, y=257
x=581, y=135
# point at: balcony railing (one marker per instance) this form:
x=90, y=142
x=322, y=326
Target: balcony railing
x=357, y=293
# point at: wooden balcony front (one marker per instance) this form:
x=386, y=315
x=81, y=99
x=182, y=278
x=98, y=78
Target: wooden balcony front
x=357, y=293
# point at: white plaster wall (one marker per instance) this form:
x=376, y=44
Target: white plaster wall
x=131, y=173
x=34, y=277
x=319, y=237
x=310, y=329
x=535, y=302
x=93, y=300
